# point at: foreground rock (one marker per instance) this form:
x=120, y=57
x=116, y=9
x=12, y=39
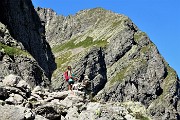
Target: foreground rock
x=11, y=112
x=18, y=102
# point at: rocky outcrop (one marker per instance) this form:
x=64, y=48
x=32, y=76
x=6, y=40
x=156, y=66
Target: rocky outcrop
x=20, y=102
x=93, y=65
x=15, y=60
x=122, y=62
x=25, y=27
x=11, y=112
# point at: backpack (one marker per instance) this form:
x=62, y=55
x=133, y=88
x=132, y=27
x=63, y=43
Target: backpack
x=66, y=75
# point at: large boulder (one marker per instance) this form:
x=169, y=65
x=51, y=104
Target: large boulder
x=49, y=111
x=11, y=80
x=10, y=112
x=15, y=99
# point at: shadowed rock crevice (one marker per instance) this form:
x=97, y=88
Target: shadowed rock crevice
x=159, y=90
x=3, y=93
x=93, y=65
x=102, y=71
x=25, y=26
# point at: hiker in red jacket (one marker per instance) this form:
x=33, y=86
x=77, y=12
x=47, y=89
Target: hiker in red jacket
x=69, y=77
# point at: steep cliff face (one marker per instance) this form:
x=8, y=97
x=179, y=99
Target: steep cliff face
x=122, y=62
x=15, y=60
x=25, y=26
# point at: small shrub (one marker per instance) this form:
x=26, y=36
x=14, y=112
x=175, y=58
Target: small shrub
x=139, y=116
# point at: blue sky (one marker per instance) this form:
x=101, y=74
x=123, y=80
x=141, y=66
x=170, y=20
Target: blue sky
x=160, y=19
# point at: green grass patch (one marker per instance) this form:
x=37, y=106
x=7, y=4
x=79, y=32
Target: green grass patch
x=63, y=46
x=115, y=24
x=95, y=10
x=137, y=36
x=101, y=43
x=139, y=116
x=12, y=50
x=134, y=66
x=119, y=76
x=147, y=48
x=63, y=59
x=170, y=80
x=85, y=43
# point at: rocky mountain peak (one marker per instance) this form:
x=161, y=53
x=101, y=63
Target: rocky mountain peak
x=46, y=14
x=121, y=60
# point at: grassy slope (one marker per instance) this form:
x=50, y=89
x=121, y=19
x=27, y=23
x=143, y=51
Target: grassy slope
x=12, y=50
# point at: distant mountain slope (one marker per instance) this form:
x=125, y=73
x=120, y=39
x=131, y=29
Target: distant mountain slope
x=122, y=62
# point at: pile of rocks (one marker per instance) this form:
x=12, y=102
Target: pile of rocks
x=19, y=101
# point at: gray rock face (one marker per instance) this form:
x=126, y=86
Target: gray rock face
x=11, y=80
x=19, y=32
x=25, y=26
x=93, y=65
x=121, y=60
x=25, y=67
x=48, y=112
x=11, y=112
